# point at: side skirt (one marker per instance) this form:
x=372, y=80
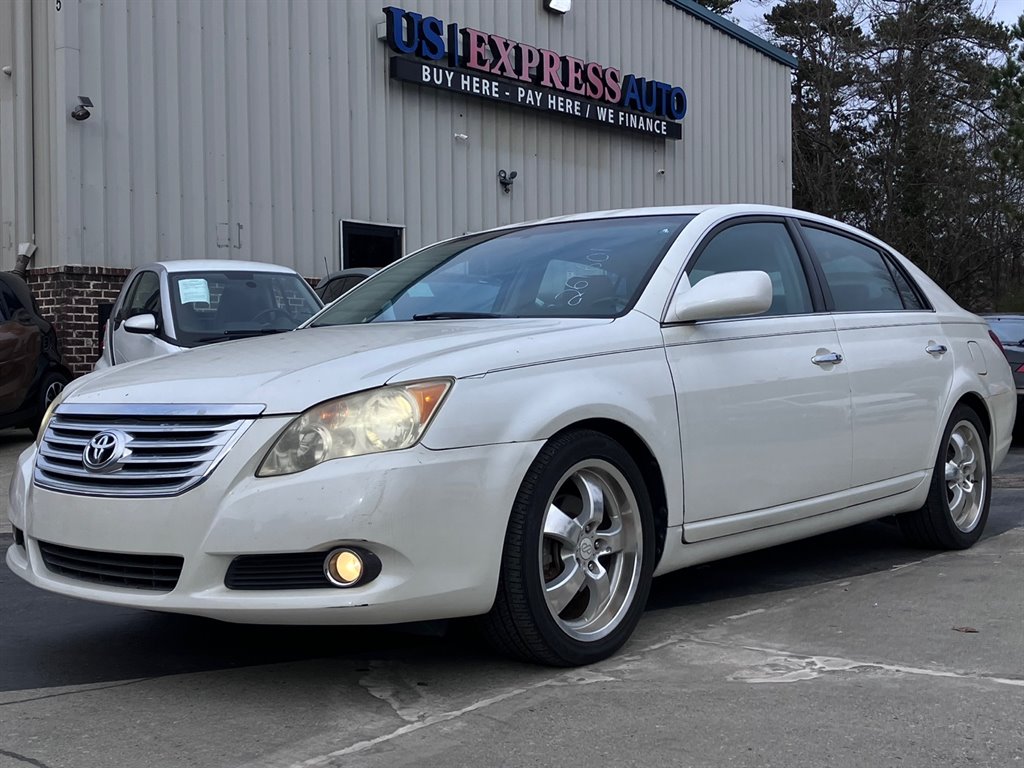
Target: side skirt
x=679, y=554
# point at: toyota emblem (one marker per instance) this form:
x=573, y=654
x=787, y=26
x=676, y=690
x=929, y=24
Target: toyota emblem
x=104, y=451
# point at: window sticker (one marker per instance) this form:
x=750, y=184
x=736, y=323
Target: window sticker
x=194, y=290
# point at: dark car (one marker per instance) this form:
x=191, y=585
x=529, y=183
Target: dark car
x=1009, y=329
x=32, y=372
x=337, y=283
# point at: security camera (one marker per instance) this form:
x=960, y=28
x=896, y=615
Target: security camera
x=81, y=112
x=506, y=179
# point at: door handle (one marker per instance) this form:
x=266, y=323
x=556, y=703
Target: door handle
x=936, y=349
x=828, y=358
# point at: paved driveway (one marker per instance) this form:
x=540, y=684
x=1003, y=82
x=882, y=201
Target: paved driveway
x=849, y=649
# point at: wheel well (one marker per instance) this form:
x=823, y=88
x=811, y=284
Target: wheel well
x=977, y=404
x=648, y=466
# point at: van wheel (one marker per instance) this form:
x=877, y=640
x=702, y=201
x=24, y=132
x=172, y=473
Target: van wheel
x=956, y=511
x=578, y=556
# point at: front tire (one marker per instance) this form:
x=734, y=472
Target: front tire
x=956, y=511
x=578, y=556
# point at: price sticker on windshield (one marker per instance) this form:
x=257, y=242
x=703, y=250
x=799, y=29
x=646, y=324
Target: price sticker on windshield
x=194, y=290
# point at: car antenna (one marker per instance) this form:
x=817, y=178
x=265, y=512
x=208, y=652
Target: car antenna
x=327, y=268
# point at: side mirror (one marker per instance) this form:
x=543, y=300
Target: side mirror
x=728, y=294
x=140, y=324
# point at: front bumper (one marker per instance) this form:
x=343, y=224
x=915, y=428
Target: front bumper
x=436, y=520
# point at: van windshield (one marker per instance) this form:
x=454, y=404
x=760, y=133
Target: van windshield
x=593, y=268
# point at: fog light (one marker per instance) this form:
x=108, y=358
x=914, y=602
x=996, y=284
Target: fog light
x=344, y=567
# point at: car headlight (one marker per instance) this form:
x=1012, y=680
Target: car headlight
x=384, y=419
x=48, y=414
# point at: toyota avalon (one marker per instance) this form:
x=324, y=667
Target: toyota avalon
x=527, y=425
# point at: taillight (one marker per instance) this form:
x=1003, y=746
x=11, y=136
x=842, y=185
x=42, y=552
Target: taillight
x=1021, y=369
x=996, y=340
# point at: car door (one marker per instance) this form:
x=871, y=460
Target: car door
x=896, y=355
x=20, y=347
x=763, y=402
x=142, y=297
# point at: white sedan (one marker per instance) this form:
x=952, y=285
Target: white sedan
x=172, y=306
x=527, y=425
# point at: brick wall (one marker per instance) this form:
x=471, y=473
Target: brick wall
x=70, y=297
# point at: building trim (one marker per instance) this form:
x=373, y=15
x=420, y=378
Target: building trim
x=735, y=31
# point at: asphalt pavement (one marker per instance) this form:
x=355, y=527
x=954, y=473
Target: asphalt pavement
x=849, y=649
x=12, y=443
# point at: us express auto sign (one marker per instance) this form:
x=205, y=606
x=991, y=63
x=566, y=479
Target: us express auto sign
x=489, y=66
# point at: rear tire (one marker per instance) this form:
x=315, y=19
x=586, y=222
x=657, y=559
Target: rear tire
x=578, y=557
x=955, y=513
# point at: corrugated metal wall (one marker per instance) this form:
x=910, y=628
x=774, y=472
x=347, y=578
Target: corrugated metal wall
x=231, y=129
x=16, y=191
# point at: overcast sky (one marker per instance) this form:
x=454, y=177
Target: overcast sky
x=750, y=13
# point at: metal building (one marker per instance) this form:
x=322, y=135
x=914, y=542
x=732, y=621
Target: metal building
x=329, y=133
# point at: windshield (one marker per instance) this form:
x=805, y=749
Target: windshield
x=593, y=268
x=212, y=306
x=1010, y=330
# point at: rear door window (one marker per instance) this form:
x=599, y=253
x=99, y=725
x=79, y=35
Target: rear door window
x=858, y=276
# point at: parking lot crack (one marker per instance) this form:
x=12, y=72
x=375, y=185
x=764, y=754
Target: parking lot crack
x=387, y=683
x=77, y=690
x=787, y=667
x=575, y=677
x=23, y=759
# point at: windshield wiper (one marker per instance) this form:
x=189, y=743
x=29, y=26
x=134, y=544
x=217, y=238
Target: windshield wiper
x=453, y=315
x=228, y=335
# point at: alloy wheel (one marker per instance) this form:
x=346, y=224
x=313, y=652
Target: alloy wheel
x=591, y=550
x=52, y=392
x=966, y=476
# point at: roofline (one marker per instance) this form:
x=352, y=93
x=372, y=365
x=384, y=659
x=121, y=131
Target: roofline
x=735, y=31
x=191, y=265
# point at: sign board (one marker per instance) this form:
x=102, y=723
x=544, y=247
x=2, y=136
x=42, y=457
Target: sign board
x=489, y=66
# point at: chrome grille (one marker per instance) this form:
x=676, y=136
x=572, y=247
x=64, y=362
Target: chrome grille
x=166, y=449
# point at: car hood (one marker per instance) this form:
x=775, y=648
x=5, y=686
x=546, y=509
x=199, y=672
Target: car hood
x=290, y=372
